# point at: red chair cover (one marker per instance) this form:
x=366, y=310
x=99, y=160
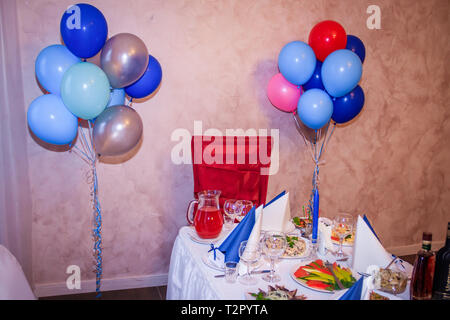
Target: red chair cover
x=233, y=166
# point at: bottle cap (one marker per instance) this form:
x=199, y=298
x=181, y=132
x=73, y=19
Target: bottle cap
x=427, y=236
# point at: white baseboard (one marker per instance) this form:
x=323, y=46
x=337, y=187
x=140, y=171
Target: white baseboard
x=60, y=288
x=413, y=248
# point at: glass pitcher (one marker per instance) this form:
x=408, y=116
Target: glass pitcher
x=208, y=219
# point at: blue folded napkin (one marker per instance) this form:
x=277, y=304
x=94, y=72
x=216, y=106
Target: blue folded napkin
x=276, y=198
x=354, y=292
x=230, y=246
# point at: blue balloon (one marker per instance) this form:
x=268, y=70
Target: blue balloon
x=117, y=97
x=51, y=64
x=84, y=30
x=341, y=72
x=49, y=119
x=148, y=82
x=357, y=46
x=316, y=80
x=349, y=106
x=297, y=62
x=315, y=108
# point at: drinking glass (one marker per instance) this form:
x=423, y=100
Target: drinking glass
x=249, y=254
x=244, y=207
x=342, y=226
x=231, y=271
x=231, y=208
x=274, y=244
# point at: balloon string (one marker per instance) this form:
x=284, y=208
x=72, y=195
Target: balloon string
x=83, y=143
x=83, y=155
x=92, y=157
x=97, y=233
x=326, y=140
x=92, y=179
x=305, y=140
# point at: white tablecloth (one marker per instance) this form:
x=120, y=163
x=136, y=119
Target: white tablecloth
x=191, y=279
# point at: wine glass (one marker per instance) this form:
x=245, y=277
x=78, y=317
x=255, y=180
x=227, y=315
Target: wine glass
x=249, y=254
x=274, y=245
x=244, y=207
x=342, y=227
x=231, y=208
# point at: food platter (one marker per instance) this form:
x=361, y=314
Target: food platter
x=275, y=293
x=315, y=276
x=297, y=248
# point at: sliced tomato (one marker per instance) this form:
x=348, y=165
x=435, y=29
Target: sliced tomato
x=320, y=262
x=318, y=284
x=300, y=273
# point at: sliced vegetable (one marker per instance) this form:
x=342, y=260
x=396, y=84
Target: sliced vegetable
x=318, y=285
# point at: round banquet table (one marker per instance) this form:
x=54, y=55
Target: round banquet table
x=191, y=279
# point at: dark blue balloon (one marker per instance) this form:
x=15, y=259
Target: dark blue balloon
x=357, y=46
x=349, y=106
x=149, y=81
x=315, y=82
x=84, y=30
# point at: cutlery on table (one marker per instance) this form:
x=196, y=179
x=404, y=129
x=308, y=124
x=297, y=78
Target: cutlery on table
x=253, y=272
x=329, y=266
x=392, y=261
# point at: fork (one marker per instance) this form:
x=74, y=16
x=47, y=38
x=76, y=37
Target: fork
x=329, y=266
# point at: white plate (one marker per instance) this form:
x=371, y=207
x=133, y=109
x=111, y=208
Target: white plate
x=305, y=254
x=194, y=236
x=212, y=265
x=303, y=282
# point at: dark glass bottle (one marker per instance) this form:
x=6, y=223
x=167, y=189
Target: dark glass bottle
x=441, y=284
x=423, y=272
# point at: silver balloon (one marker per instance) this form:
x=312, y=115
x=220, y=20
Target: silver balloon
x=117, y=130
x=124, y=59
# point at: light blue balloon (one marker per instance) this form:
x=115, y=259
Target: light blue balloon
x=117, y=97
x=297, y=62
x=51, y=64
x=341, y=72
x=50, y=120
x=85, y=90
x=315, y=108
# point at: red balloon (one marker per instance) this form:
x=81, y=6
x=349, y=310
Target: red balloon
x=327, y=36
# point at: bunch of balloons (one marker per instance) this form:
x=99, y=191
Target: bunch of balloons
x=80, y=89
x=319, y=80
x=318, y=83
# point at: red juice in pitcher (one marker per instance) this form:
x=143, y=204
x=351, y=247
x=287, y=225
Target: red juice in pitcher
x=208, y=222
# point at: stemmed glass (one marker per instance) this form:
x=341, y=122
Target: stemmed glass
x=274, y=245
x=249, y=254
x=342, y=226
x=231, y=208
x=244, y=207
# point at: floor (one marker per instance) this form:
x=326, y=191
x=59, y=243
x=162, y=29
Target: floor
x=151, y=293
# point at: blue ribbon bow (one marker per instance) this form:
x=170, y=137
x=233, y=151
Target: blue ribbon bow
x=213, y=249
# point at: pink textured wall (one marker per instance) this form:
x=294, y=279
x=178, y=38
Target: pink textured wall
x=217, y=58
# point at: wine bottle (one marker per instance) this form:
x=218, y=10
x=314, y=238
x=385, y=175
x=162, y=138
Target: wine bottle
x=441, y=284
x=423, y=272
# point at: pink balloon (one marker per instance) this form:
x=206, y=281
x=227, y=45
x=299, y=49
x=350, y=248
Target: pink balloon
x=283, y=94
